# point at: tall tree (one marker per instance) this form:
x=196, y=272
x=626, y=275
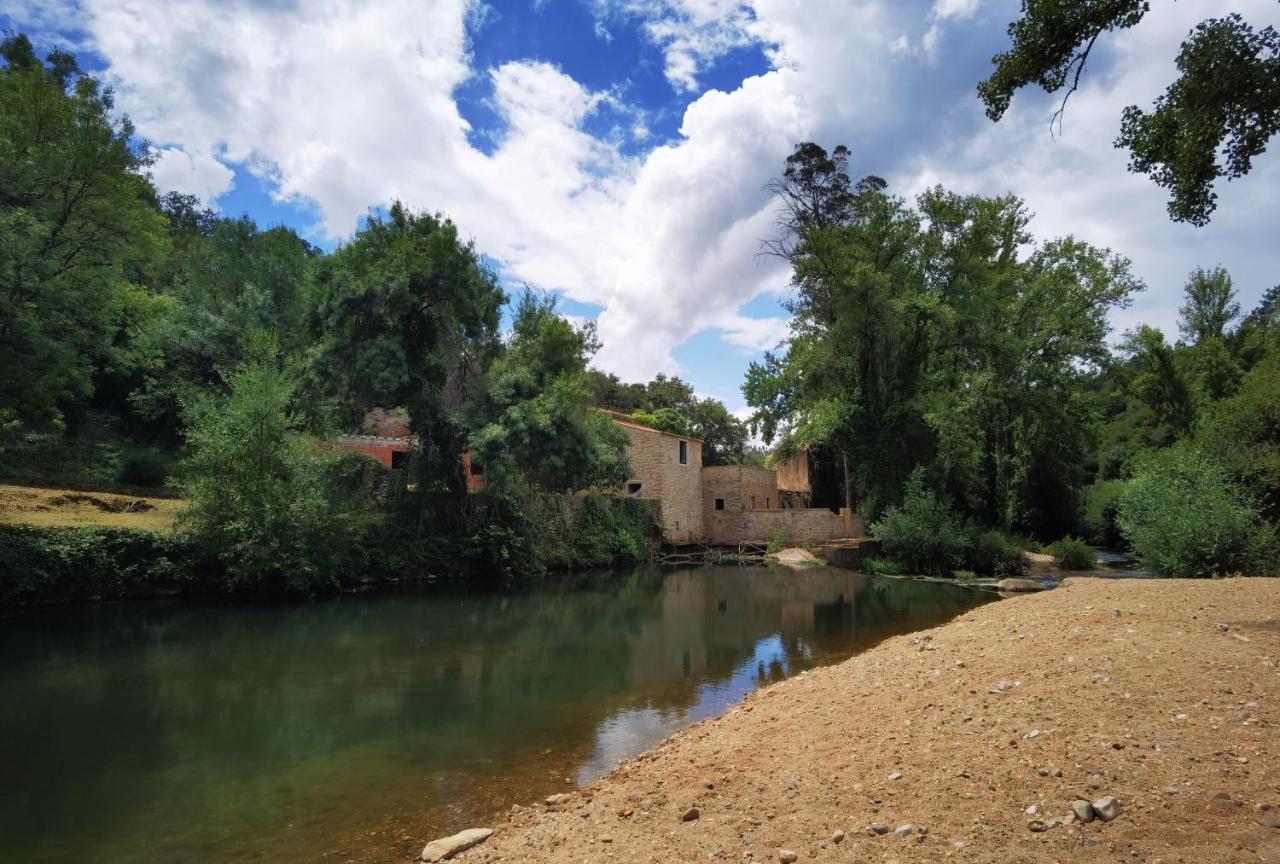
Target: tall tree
x=80, y=237
x=409, y=316
x=1210, y=123
x=1209, y=306
x=534, y=423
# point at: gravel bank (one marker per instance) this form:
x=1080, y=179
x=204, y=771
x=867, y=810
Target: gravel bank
x=972, y=742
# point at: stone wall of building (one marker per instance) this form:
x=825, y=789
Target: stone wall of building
x=761, y=526
x=740, y=488
x=793, y=473
x=656, y=467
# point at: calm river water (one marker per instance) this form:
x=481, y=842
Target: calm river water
x=360, y=727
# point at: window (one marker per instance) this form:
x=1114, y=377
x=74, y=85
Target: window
x=684, y=452
x=766, y=503
x=477, y=469
x=753, y=502
x=397, y=458
x=633, y=489
x=719, y=503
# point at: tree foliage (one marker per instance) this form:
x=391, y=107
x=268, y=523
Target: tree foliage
x=1211, y=121
x=279, y=511
x=536, y=426
x=79, y=236
x=1185, y=517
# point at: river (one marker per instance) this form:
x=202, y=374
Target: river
x=359, y=727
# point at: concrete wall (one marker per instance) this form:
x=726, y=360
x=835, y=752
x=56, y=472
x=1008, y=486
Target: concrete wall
x=761, y=526
x=655, y=465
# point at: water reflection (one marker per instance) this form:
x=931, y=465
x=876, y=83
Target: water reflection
x=220, y=732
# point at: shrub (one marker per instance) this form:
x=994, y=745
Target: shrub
x=143, y=467
x=965, y=575
x=996, y=554
x=41, y=564
x=924, y=533
x=1185, y=517
x=1101, y=501
x=777, y=542
x=884, y=567
x=1072, y=553
x=276, y=509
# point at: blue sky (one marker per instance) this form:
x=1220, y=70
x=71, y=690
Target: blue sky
x=616, y=151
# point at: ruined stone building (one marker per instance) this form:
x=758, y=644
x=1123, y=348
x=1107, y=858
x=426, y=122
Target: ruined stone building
x=725, y=504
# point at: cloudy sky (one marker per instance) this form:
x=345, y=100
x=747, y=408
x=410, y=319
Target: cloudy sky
x=616, y=151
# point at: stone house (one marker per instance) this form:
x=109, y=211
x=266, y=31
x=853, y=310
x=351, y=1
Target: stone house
x=724, y=505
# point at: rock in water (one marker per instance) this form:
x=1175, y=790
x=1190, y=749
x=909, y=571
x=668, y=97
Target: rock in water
x=1083, y=810
x=446, y=847
x=559, y=798
x=1107, y=808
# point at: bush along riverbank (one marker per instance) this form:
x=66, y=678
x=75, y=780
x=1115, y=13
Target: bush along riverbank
x=67, y=564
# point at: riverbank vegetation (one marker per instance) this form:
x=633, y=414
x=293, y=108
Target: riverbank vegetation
x=966, y=380
x=151, y=342
x=952, y=380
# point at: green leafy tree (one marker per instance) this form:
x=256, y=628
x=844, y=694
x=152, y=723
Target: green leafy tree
x=1158, y=381
x=1184, y=516
x=535, y=426
x=226, y=280
x=1242, y=433
x=1210, y=305
x=724, y=437
x=924, y=532
x=79, y=235
x=1211, y=121
x=408, y=316
x=276, y=509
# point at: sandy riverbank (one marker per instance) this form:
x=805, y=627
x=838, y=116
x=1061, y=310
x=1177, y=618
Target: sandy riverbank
x=1162, y=694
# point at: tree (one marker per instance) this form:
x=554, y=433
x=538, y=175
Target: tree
x=227, y=279
x=1220, y=112
x=724, y=437
x=534, y=424
x=1185, y=517
x=408, y=316
x=1210, y=305
x=277, y=510
x=79, y=236
x=1157, y=380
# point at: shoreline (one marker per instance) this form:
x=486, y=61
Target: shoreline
x=1159, y=693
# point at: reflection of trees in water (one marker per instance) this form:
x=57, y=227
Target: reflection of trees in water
x=226, y=719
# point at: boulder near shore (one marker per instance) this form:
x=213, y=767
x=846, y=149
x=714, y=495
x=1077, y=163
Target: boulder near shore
x=1106, y=720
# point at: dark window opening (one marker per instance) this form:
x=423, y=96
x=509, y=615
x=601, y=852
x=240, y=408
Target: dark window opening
x=684, y=452
x=477, y=469
x=719, y=503
x=766, y=503
x=753, y=502
x=398, y=458
x=633, y=489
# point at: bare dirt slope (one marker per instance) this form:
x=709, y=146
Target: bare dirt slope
x=65, y=507
x=1162, y=694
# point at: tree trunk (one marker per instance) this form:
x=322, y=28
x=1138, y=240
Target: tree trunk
x=848, y=484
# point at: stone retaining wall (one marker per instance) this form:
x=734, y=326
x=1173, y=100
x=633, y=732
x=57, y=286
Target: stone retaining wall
x=761, y=526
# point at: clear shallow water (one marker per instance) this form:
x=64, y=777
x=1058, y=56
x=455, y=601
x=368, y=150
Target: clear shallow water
x=360, y=727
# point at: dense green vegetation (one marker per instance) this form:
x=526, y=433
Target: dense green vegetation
x=963, y=376
x=949, y=378
x=150, y=341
